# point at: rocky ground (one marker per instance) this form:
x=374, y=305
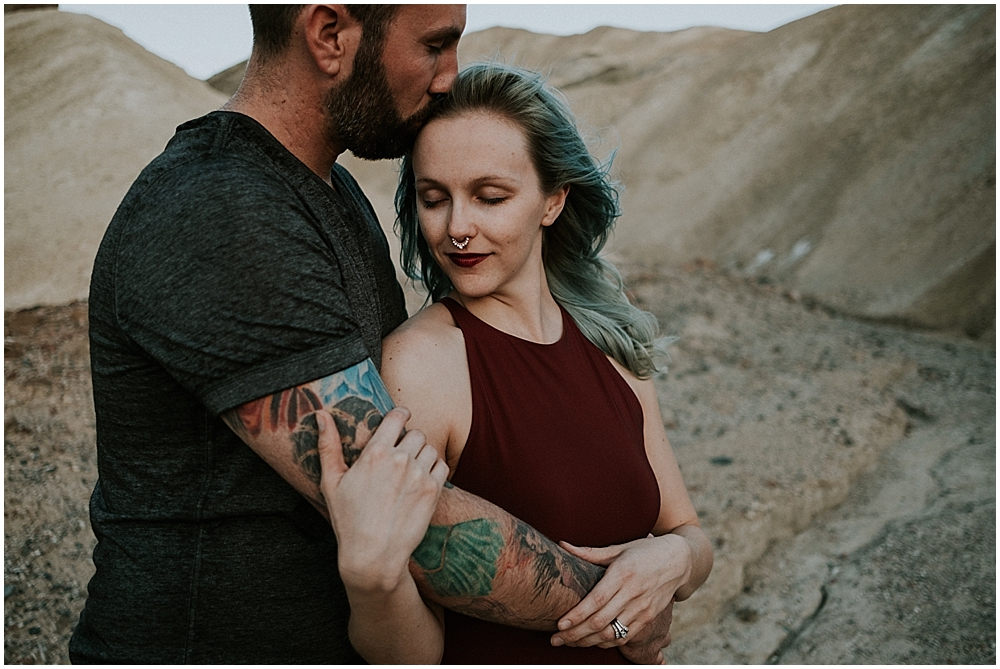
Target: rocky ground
x=845, y=472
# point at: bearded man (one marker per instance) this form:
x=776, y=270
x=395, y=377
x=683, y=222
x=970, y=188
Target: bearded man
x=237, y=307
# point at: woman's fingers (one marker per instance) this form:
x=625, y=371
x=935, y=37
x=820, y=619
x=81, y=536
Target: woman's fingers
x=601, y=556
x=595, y=600
x=596, y=629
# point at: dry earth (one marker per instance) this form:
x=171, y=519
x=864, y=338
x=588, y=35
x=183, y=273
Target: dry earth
x=844, y=470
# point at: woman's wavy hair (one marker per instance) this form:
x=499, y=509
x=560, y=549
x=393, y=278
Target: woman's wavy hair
x=586, y=285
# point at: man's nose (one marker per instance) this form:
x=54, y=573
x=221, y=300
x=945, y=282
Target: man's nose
x=447, y=71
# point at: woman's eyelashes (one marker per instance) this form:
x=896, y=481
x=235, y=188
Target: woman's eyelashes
x=430, y=204
x=432, y=201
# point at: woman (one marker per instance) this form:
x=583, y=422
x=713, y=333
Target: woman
x=530, y=370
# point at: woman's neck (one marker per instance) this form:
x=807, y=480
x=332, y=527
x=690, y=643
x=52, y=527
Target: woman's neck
x=532, y=315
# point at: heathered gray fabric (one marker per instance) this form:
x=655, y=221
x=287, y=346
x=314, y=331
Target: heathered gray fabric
x=229, y=272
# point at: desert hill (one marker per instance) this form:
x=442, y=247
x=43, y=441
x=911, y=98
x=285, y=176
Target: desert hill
x=850, y=155
x=85, y=108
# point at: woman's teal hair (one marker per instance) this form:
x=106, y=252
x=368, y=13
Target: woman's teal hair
x=586, y=285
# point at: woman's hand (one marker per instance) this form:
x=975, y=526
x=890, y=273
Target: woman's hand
x=381, y=506
x=639, y=585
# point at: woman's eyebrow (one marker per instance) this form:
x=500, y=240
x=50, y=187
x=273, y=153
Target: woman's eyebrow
x=478, y=181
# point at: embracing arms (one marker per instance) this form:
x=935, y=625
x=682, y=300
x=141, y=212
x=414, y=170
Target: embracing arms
x=475, y=558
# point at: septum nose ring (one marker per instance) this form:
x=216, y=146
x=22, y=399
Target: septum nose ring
x=460, y=245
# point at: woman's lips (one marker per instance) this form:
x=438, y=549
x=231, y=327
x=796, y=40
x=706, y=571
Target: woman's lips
x=467, y=259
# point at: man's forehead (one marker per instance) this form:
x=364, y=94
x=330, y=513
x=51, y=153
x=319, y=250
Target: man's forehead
x=432, y=21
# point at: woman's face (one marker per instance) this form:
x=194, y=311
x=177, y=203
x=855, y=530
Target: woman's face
x=476, y=182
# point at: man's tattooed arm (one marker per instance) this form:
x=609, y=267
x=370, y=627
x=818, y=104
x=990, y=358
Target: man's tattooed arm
x=282, y=428
x=475, y=558
x=479, y=560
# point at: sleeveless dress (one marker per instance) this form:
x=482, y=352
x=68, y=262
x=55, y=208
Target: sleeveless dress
x=557, y=441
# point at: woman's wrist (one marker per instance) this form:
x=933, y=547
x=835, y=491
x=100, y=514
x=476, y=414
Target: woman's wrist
x=394, y=627
x=371, y=578
x=681, y=558
x=698, y=562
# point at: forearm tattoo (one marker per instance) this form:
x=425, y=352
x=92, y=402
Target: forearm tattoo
x=462, y=564
x=357, y=400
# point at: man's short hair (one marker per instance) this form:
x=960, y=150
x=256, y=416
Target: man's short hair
x=272, y=25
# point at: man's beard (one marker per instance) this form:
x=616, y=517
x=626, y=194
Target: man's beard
x=362, y=114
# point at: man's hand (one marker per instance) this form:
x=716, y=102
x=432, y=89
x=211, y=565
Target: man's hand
x=380, y=508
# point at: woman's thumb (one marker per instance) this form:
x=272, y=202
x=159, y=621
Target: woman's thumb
x=599, y=556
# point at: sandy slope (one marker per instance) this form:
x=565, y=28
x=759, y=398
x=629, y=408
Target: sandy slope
x=85, y=108
x=850, y=154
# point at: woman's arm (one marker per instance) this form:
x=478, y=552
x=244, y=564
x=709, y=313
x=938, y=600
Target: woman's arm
x=381, y=506
x=646, y=575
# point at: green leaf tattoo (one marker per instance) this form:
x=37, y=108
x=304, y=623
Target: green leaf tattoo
x=461, y=560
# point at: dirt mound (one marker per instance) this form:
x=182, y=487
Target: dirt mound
x=849, y=155
x=85, y=108
x=229, y=79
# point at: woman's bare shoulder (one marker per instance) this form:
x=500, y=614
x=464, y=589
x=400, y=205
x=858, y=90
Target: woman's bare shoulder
x=424, y=369
x=429, y=340
x=429, y=329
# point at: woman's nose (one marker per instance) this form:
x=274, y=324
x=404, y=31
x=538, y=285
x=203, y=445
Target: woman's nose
x=461, y=223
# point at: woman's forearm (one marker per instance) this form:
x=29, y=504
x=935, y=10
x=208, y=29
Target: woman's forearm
x=395, y=627
x=702, y=558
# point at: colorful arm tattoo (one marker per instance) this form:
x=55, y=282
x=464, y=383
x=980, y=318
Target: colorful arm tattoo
x=355, y=397
x=475, y=558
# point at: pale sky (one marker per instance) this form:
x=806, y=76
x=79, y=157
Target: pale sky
x=206, y=39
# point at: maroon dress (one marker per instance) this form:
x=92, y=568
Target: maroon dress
x=557, y=441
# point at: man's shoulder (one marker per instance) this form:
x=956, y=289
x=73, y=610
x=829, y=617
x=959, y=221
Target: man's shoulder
x=209, y=157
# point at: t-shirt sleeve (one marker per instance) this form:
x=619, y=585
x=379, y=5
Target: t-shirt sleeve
x=228, y=280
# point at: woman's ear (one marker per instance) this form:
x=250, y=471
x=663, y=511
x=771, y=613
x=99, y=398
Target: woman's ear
x=554, y=205
x=332, y=36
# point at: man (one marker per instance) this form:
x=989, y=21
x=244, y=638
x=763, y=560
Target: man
x=239, y=296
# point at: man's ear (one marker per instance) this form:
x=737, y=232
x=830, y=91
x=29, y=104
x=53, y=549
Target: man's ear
x=332, y=37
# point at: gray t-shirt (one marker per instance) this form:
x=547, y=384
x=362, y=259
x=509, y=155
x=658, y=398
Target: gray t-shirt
x=229, y=272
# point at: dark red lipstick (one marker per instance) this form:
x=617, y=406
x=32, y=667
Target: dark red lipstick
x=467, y=259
